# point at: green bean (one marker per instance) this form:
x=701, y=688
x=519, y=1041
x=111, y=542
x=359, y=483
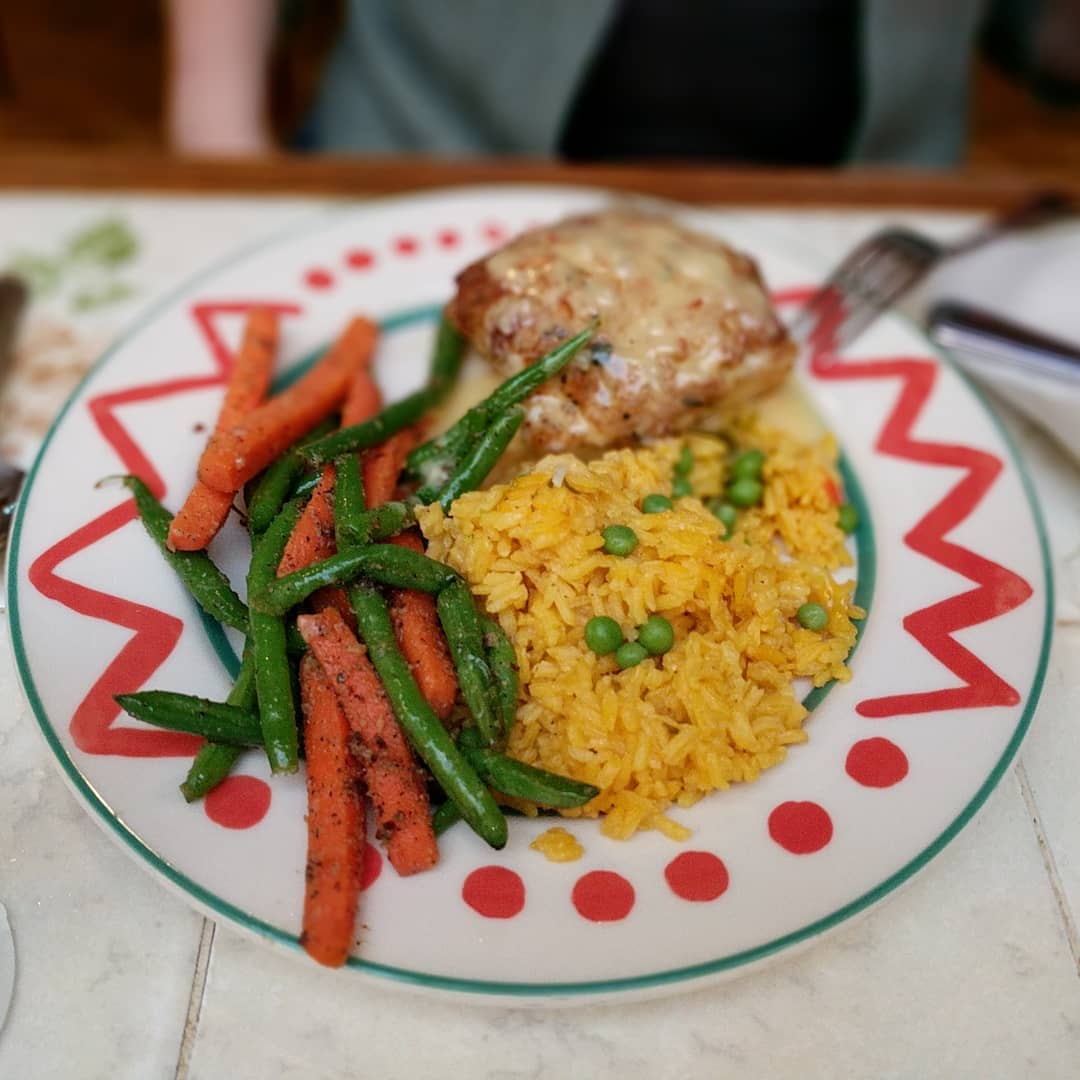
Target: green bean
x=384, y=563
x=277, y=481
x=480, y=459
x=211, y=766
x=446, y=815
x=208, y=586
x=423, y=728
x=213, y=720
x=509, y=776
x=445, y=359
x=305, y=485
x=273, y=679
x=349, y=501
x=518, y=387
x=433, y=461
x=503, y=663
x=243, y=693
x=371, y=432
x=295, y=644
x=380, y=523
x=465, y=636
x=470, y=738
x=215, y=760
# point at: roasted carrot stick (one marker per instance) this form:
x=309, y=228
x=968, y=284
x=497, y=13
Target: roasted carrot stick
x=382, y=465
x=337, y=598
x=415, y=620
x=335, y=822
x=390, y=773
x=313, y=537
x=421, y=639
x=363, y=400
x=204, y=511
x=236, y=454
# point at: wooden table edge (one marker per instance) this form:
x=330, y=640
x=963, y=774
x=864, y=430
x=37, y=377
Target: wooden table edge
x=359, y=177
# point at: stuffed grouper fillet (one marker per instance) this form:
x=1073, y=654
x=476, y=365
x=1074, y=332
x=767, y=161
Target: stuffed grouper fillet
x=686, y=328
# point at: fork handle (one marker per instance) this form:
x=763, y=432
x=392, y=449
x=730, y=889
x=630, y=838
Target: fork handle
x=997, y=340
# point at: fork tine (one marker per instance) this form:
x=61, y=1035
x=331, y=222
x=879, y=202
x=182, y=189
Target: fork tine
x=873, y=275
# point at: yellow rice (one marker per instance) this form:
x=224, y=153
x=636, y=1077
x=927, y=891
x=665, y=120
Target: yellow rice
x=720, y=706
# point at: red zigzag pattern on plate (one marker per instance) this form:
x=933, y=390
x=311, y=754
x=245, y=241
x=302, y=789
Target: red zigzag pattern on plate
x=155, y=632
x=998, y=590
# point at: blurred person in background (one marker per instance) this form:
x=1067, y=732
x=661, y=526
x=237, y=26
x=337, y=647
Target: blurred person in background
x=781, y=82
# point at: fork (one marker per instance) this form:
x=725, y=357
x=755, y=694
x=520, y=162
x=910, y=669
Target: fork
x=889, y=264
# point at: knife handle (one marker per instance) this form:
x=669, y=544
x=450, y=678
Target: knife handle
x=977, y=333
x=12, y=301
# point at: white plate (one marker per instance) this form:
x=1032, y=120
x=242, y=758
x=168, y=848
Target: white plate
x=946, y=673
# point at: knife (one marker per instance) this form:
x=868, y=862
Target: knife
x=990, y=340
x=13, y=297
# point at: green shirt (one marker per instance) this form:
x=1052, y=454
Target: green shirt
x=481, y=77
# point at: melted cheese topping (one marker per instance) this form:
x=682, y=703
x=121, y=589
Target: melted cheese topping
x=662, y=294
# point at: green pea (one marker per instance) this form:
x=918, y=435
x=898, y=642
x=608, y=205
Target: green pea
x=619, y=539
x=847, y=517
x=603, y=635
x=745, y=491
x=685, y=462
x=747, y=465
x=630, y=654
x=812, y=617
x=656, y=504
x=725, y=513
x=681, y=487
x=656, y=634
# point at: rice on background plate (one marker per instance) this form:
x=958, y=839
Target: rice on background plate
x=721, y=705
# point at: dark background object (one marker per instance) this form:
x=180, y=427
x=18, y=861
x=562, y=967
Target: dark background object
x=91, y=76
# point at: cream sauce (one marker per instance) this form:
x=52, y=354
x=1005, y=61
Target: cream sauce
x=663, y=295
x=790, y=409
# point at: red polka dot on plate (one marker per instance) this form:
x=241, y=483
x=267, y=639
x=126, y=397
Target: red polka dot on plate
x=800, y=827
x=318, y=279
x=372, y=866
x=494, y=892
x=406, y=245
x=448, y=238
x=238, y=802
x=603, y=896
x=493, y=231
x=359, y=259
x=697, y=875
x=876, y=763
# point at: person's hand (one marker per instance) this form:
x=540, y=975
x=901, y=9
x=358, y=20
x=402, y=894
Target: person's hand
x=216, y=93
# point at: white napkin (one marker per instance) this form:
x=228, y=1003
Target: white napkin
x=1053, y=404
x=1029, y=278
